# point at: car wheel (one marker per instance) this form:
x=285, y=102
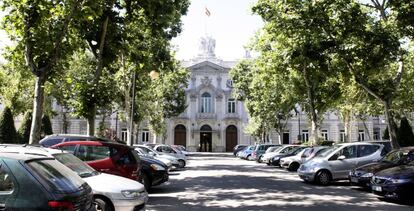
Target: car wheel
x=146, y=182
x=293, y=166
x=259, y=160
x=102, y=205
x=248, y=157
x=181, y=163
x=323, y=177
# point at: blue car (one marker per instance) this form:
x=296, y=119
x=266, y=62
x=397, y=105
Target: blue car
x=247, y=152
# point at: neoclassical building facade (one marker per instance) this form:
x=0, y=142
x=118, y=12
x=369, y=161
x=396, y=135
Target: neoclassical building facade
x=215, y=121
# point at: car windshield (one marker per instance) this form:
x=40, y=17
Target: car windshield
x=287, y=149
x=75, y=164
x=296, y=151
x=328, y=151
x=394, y=156
x=55, y=175
x=272, y=149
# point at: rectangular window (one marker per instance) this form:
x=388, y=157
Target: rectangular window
x=361, y=135
x=342, y=135
x=325, y=135
x=377, y=133
x=145, y=136
x=305, y=135
x=206, y=105
x=124, y=134
x=231, y=106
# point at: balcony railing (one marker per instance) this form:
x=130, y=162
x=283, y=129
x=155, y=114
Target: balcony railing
x=206, y=116
x=232, y=116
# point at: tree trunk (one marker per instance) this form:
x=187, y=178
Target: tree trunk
x=37, y=110
x=91, y=121
x=314, y=116
x=392, y=126
x=347, y=127
x=65, y=123
x=366, y=128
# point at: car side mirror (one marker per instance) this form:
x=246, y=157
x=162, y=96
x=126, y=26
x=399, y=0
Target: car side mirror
x=342, y=157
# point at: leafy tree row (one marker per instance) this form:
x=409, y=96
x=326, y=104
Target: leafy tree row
x=320, y=55
x=85, y=55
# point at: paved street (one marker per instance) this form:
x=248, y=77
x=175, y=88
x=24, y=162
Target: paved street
x=215, y=181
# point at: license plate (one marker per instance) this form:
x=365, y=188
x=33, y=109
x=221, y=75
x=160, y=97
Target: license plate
x=353, y=179
x=377, y=188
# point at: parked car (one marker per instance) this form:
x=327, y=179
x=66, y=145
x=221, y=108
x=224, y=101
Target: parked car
x=156, y=155
x=259, y=150
x=154, y=172
x=275, y=161
x=267, y=157
x=238, y=148
x=168, y=150
x=106, y=157
x=54, y=139
x=110, y=192
x=181, y=148
x=292, y=163
x=336, y=162
x=362, y=176
x=32, y=182
x=247, y=152
x=144, y=153
x=395, y=183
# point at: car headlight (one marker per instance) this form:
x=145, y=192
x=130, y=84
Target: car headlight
x=398, y=181
x=131, y=193
x=276, y=158
x=157, y=167
x=368, y=175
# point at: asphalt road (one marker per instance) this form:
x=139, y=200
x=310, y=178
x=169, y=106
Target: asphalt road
x=219, y=181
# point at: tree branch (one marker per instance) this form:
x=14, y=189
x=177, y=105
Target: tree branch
x=362, y=83
x=28, y=44
x=400, y=73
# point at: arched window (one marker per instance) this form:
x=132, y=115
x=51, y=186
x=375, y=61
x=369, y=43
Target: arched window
x=206, y=106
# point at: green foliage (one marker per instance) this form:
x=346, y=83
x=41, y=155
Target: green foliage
x=24, y=129
x=405, y=134
x=7, y=130
x=46, y=125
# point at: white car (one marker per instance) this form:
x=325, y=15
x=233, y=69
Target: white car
x=174, y=160
x=110, y=192
x=168, y=150
x=144, y=153
x=266, y=158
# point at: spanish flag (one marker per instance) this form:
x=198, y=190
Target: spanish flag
x=207, y=12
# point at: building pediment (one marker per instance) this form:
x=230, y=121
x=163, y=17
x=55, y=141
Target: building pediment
x=207, y=66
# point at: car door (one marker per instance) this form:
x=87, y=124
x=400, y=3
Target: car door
x=367, y=154
x=8, y=187
x=341, y=167
x=99, y=158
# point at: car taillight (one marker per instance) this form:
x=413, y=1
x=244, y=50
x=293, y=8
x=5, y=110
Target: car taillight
x=61, y=205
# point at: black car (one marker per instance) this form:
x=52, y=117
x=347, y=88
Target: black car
x=362, y=176
x=29, y=182
x=153, y=172
x=238, y=148
x=395, y=183
x=275, y=161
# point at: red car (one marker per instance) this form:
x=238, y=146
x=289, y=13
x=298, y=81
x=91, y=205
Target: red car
x=106, y=157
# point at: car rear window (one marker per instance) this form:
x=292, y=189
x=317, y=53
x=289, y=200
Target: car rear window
x=50, y=142
x=89, y=153
x=57, y=177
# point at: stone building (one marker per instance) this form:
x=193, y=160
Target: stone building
x=215, y=121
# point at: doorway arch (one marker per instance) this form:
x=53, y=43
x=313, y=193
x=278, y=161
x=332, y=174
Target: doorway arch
x=205, y=138
x=180, y=135
x=231, y=138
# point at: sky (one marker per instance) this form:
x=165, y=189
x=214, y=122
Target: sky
x=231, y=24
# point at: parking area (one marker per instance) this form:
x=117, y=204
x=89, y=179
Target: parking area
x=219, y=181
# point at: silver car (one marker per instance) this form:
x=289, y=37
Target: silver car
x=110, y=192
x=267, y=157
x=168, y=150
x=336, y=162
x=292, y=163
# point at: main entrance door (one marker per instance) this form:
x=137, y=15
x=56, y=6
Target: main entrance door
x=231, y=138
x=205, y=139
x=180, y=135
